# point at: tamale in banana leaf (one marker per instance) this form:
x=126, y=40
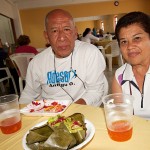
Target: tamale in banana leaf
x=60, y=133
x=33, y=146
x=78, y=129
x=38, y=134
x=79, y=136
x=59, y=140
x=79, y=117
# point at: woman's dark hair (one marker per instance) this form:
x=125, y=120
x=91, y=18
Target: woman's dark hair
x=87, y=30
x=136, y=17
x=23, y=40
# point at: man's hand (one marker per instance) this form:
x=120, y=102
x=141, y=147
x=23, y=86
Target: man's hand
x=81, y=101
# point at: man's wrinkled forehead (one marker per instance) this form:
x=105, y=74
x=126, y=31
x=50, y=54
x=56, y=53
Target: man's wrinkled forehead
x=59, y=17
x=59, y=23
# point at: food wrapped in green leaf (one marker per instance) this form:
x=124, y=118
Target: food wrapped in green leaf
x=60, y=139
x=66, y=132
x=76, y=126
x=39, y=134
x=33, y=146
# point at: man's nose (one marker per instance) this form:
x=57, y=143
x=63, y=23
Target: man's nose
x=61, y=35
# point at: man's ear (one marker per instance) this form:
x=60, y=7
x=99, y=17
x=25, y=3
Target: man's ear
x=46, y=37
x=76, y=32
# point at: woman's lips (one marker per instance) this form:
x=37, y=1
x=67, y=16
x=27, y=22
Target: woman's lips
x=133, y=54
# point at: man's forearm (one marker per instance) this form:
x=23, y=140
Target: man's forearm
x=81, y=101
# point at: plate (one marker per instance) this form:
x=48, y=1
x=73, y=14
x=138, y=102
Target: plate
x=89, y=135
x=38, y=107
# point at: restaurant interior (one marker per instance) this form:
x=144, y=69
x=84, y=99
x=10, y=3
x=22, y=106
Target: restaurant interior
x=19, y=17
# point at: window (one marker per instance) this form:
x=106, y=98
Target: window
x=115, y=21
x=102, y=25
x=7, y=32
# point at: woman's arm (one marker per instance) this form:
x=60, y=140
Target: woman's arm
x=116, y=88
x=92, y=37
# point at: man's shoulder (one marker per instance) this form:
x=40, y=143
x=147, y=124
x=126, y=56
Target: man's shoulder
x=43, y=55
x=84, y=45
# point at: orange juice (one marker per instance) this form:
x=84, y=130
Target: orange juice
x=120, y=130
x=10, y=125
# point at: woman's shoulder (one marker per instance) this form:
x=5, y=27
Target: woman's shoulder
x=125, y=70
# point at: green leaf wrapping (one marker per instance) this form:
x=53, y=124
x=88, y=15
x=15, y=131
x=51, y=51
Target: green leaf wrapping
x=59, y=137
x=79, y=134
x=38, y=134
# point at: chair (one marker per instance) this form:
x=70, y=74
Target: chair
x=115, y=52
x=20, y=62
x=9, y=76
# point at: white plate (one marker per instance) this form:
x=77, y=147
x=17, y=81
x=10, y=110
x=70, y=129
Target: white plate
x=26, y=110
x=89, y=135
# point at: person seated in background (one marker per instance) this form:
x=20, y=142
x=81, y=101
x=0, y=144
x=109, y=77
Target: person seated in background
x=94, y=32
x=23, y=45
x=88, y=36
x=108, y=36
x=3, y=56
x=4, y=63
x=101, y=33
x=67, y=70
x=133, y=78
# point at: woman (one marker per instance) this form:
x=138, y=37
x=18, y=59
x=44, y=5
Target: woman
x=133, y=35
x=3, y=56
x=4, y=62
x=88, y=36
x=23, y=45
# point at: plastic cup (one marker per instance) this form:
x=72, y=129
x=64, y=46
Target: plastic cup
x=10, y=120
x=118, y=110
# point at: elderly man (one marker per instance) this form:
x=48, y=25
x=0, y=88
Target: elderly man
x=68, y=69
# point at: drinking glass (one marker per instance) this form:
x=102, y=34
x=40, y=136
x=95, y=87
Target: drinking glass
x=118, y=110
x=10, y=120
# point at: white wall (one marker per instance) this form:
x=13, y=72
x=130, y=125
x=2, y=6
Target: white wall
x=10, y=10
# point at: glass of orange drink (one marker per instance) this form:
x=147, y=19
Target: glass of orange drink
x=118, y=110
x=10, y=120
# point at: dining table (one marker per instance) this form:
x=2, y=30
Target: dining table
x=140, y=139
x=103, y=42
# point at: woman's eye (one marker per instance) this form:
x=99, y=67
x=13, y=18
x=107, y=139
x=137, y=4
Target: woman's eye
x=123, y=42
x=137, y=38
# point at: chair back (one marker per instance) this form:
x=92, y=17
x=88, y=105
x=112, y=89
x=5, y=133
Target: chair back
x=21, y=61
x=115, y=50
x=7, y=77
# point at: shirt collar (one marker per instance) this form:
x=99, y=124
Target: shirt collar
x=128, y=73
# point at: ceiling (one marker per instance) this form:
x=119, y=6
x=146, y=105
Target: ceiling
x=22, y=4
